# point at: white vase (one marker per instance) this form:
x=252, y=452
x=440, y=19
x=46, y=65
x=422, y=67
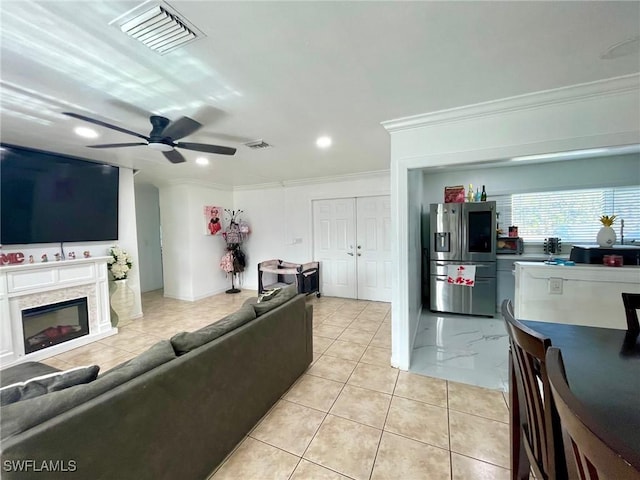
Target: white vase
x=122, y=299
x=606, y=237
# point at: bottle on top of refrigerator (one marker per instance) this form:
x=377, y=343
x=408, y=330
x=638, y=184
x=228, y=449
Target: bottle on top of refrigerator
x=470, y=196
x=478, y=196
x=483, y=195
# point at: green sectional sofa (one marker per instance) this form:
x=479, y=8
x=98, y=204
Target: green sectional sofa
x=173, y=412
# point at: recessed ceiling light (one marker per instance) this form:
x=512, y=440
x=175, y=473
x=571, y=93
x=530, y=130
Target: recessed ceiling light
x=86, y=132
x=323, y=142
x=202, y=161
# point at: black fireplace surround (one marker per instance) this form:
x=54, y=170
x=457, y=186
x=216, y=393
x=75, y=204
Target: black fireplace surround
x=53, y=324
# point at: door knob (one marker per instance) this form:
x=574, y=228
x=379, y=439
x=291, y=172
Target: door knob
x=359, y=247
x=359, y=254
x=351, y=253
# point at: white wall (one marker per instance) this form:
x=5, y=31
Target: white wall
x=583, y=116
x=265, y=210
x=278, y=215
x=127, y=234
x=414, y=188
x=191, y=259
x=613, y=171
x=148, y=225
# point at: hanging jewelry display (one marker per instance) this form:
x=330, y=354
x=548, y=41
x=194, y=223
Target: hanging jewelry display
x=234, y=260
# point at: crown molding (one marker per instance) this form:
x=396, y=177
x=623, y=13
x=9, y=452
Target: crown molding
x=311, y=181
x=176, y=182
x=572, y=93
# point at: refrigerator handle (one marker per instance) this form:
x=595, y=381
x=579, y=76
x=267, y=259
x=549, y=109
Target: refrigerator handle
x=478, y=265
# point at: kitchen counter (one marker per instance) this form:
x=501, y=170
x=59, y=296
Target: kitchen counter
x=584, y=294
x=530, y=257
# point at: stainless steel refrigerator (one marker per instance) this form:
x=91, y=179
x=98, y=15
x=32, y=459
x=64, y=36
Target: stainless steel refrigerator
x=462, y=234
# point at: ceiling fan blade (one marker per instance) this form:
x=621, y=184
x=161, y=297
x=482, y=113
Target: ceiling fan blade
x=104, y=124
x=117, y=145
x=181, y=128
x=174, y=157
x=203, y=147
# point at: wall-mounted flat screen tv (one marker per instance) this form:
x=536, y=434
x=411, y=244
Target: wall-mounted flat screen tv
x=51, y=198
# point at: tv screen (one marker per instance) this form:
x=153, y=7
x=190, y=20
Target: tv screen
x=51, y=198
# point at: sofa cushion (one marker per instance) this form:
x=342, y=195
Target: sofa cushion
x=21, y=416
x=23, y=372
x=184, y=342
x=283, y=296
x=151, y=358
x=50, y=382
x=250, y=301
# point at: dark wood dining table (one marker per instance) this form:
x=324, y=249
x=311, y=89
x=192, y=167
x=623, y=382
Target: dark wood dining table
x=603, y=371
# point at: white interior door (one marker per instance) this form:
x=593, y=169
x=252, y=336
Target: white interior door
x=352, y=240
x=373, y=248
x=334, y=246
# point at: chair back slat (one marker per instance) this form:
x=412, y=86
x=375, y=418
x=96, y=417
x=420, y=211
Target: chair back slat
x=534, y=429
x=589, y=457
x=539, y=425
x=631, y=303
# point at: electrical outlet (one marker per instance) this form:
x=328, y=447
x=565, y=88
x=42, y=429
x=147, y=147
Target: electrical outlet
x=555, y=286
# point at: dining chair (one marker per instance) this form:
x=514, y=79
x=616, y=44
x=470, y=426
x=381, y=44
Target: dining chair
x=536, y=442
x=631, y=305
x=589, y=456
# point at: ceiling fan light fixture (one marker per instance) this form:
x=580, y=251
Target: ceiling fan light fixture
x=85, y=132
x=161, y=147
x=202, y=161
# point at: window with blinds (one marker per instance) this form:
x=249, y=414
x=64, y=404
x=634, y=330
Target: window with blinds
x=573, y=215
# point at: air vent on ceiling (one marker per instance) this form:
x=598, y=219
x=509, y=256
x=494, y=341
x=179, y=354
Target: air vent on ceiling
x=258, y=145
x=158, y=28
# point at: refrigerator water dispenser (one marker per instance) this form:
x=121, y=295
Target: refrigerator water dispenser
x=442, y=242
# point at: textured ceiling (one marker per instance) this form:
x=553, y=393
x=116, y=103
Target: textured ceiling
x=287, y=72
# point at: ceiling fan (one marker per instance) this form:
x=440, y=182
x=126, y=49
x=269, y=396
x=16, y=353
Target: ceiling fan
x=163, y=137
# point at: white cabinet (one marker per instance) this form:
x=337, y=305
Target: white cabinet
x=583, y=294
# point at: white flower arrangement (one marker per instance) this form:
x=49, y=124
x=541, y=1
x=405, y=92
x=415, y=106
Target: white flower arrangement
x=120, y=263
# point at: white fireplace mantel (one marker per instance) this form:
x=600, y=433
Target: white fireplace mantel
x=32, y=285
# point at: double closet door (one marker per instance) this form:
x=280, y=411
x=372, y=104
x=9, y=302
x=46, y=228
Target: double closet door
x=352, y=240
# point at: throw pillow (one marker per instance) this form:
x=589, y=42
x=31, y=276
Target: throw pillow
x=48, y=383
x=23, y=372
x=21, y=416
x=184, y=342
x=268, y=295
x=283, y=296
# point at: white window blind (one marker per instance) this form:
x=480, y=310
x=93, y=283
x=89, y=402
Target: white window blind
x=573, y=215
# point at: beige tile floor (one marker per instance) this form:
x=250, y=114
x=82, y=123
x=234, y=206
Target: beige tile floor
x=350, y=416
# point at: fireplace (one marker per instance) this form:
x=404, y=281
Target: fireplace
x=53, y=324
